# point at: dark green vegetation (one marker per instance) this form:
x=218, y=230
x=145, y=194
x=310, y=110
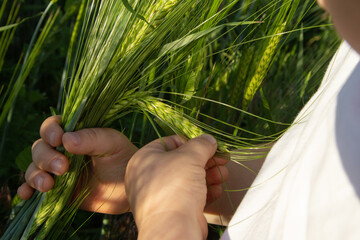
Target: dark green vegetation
x=269, y=65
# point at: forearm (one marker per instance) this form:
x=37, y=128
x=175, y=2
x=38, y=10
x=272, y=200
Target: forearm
x=169, y=225
x=166, y=215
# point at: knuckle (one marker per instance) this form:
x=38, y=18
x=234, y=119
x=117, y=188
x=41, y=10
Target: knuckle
x=202, y=144
x=199, y=147
x=196, y=145
x=51, y=127
x=37, y=153
x=181, y=155
x=29, y=172
x=197, y=155
x=91, y=134
x=45, y=125
x=35, y=144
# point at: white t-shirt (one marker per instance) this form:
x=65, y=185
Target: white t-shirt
x=309, y=185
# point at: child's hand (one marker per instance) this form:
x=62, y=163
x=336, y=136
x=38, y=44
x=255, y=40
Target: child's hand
x=109, y=151
x=167, y=187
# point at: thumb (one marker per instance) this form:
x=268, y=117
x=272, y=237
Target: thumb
x=98, y=141
x=201, y=148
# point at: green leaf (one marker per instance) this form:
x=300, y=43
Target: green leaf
x=24, y=159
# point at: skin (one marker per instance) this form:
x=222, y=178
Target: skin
x=169, y=187
x=110, y=152
x=346, y=17
x=221, y=211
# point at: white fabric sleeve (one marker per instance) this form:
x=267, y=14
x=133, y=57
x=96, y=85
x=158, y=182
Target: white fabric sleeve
x=309, y=185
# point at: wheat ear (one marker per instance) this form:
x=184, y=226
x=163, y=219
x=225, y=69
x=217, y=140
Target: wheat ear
x=263, y=67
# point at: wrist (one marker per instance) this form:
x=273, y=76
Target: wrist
x=170, y=224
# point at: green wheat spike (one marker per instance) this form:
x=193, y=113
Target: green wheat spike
x=262, y=68
x=241, y=73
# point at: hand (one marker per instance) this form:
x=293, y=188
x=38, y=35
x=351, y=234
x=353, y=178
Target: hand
x=166, y=186
x=109, y=150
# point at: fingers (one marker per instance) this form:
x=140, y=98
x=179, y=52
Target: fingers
x=45, y=159
x=25, y=191
x=98, y=141
x=38, y=179
x=48, y=159
x=214, y=192
x=51, y=131
x=202, y=148
x=217, y=175
x=217, y=161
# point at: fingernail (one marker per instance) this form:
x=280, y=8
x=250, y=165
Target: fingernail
x=210, y=138
x=57, y=166
x=39, y=182
x=74, y=137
